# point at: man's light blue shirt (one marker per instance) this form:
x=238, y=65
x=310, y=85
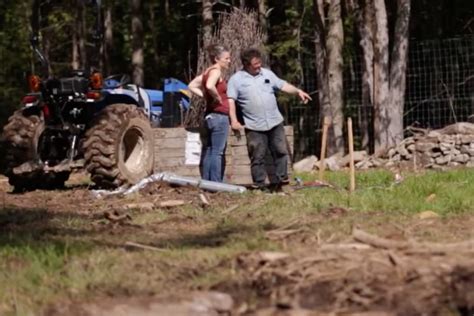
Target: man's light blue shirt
x=255, y=95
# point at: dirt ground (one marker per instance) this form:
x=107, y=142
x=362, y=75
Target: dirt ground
x=358, y=274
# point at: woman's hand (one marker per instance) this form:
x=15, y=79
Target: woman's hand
x=217, y=99
x=195, y=86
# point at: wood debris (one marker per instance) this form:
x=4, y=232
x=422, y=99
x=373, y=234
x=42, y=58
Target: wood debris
x=132, y=244
x=116, y=217
x=171, y=203
x=204, y=200
x=372, y=276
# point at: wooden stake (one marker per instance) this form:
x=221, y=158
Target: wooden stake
x=351, y=155
x=414, y=162
x=141, y=246
x=322, y=163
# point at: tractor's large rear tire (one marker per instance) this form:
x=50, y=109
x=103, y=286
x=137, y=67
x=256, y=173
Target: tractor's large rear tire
x=118, y=148
x=19, y=143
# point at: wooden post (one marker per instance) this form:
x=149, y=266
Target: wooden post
x=351, y=155
x=414, y=162
x=322, y=163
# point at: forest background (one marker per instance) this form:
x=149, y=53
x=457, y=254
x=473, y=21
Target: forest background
x=154, y=40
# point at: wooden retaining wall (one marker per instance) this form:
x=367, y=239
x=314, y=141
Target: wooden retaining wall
x=171, y=145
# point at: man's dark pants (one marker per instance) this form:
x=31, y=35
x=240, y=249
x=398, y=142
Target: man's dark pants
x=258, y=143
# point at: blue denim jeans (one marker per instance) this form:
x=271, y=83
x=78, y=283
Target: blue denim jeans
x=213, y=161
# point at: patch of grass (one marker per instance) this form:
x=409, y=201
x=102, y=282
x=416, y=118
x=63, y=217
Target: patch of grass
x=442, y=192
x=47, y=256
x=29, y=267
x=145, y=218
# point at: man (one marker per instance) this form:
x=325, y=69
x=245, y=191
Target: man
x=253, y=89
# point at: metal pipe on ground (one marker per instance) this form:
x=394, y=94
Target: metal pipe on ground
x=202, y=184
x=176, y=180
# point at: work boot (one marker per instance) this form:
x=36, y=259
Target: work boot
x=260, y=187
x=275, y=187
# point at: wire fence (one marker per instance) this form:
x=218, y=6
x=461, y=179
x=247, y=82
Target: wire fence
x=439, y=92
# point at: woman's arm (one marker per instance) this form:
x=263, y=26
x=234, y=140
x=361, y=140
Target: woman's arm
x=214, y=76
x=195, y=86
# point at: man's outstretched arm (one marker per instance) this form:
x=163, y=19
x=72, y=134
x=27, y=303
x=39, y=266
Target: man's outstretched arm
x=291, y=89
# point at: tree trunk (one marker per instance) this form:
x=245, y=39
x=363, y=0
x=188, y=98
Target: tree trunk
x=262, y=17
x=46, y=44
x=364, y=15
x=80, y=32
x=321, y=65
x=108, y=40
x=167, y=8
x=75, y=46
x=137, y=43
x=383, y=83
x=398, y=67
x=47, y=49
x=334, y=44
x=381, y=68
x=207, y=22
x=154, y=34
x=328, y=50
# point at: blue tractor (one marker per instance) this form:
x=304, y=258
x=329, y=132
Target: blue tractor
x=85, y=121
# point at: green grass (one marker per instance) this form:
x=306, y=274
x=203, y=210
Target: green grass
x=376, y=190
x=48, y=257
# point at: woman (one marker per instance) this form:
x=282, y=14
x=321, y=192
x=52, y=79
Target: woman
x=213, y=88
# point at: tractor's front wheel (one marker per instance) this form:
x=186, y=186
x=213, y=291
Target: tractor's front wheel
x=118, y=148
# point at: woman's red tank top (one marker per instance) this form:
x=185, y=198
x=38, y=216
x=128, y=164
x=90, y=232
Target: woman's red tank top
x=213, y=106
